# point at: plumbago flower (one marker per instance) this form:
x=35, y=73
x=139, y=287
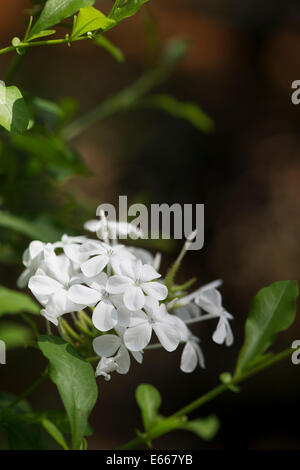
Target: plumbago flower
x=120, y=295
x=135, y=281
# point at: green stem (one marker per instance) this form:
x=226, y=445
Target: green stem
x=127, y=99
x=156, y=432
x=13, y=67
x=115, y=6
x=123, y=101
x=49, y=42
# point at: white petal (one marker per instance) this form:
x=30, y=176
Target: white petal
x=58, y=267
x=92, y=225
x=94, y=266
x=148, y=273
x=118, y=284
x=134, y=298
x=138, y=356
x=106, y=345
x=123, y=361
x=105, y=316
x=167, y=335
x=83, y=295
x=137, y=318
x=200, y=355
x=220, y=333
x=138, y=337
x=189, y=359
x=51, y=317
x=35, y=248
x=24, y=278
x=155, y=289
x=210, y=300
x=43, y=285
x=229, y=335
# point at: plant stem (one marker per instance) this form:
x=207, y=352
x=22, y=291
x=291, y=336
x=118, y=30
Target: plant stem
x=129, y=98
x=13, y=67
x=155, y=432
x=49, y=42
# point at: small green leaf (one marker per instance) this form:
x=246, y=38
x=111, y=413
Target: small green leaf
x=54, y=433
x=126, y=9
x=149, y=401
x=90, y=19
x=109, y=47
x=75, y=380
x=41, y=34
x=14, y=113
x=205, y=428
x=226, y=379
x=12, y=302
x=272, y=310
x=183, y=110
x=14, y=335
x=55, y=11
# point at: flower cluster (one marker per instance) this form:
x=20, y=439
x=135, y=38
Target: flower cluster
x=122, y=290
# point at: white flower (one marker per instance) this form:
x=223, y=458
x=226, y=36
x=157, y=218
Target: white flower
x=191, y=353
x=136, y=280
x=32, y=258
x=108, y=229
x=51, y=284
x=194, y=295
x=105, y=315
x=139, y=333
x=108, y=345
x=106, y=366
x=211, y=301
x=70, y=245
x=102, y=255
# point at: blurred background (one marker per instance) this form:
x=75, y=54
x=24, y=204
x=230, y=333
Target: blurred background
x=241, y=60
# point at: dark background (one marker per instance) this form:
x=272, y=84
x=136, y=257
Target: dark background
x=242, y=60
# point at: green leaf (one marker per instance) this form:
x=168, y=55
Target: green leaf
x=55, y=11
x=75, y=380
x=149, y=401
x=90, y=19
x=205, y=428
x=272, y=310
x=14, y=113
x=109, y=47
x=54, y=433
x=183, y=110
x=40, y=229
x=14, y=335
x=60, y=419
x=126, y=9
x=12, y=302
x=41, y=34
